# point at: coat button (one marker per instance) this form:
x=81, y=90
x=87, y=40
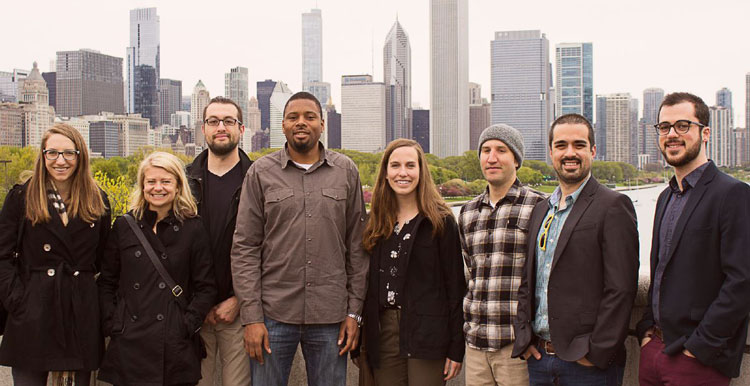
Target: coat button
x=134, y=318
x=162, y=285
x=137, y=253
x=136, y=286
x=51, y=272
x=164, y=256
x=159, y=317
x=76, y=273
x=176, y=228
x=47, y=248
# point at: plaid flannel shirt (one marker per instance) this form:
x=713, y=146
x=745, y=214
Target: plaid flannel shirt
x=493, y=241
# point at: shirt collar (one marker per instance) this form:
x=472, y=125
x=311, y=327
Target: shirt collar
x=286, y=158
x=689, y=181
x=513, y=192
x=554, y=199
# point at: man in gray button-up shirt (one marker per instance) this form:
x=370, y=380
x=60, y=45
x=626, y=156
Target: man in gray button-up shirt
x=298, y=265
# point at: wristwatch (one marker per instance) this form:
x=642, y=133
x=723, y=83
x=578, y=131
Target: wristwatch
x=357, y=318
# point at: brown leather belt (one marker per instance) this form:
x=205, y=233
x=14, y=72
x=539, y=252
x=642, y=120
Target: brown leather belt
x=546, y=346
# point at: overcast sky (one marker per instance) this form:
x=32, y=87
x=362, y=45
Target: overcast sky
x=678, y=45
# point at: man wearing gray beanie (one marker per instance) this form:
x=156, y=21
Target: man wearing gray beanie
x=493, y=228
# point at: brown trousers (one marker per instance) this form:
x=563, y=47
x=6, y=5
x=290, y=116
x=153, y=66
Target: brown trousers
x=398, y=371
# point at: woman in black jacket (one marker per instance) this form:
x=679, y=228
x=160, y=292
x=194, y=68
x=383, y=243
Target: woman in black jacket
x=155, y=338
x=49, y=288
x=412, y=319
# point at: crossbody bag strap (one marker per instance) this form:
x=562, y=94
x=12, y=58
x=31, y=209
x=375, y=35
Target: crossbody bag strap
x=176, y=289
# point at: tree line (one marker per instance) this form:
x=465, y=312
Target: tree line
x=455, y=175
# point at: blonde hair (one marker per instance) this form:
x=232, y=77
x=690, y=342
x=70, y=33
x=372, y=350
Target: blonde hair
x=183, y=205
x=85, y=201
x=384, y=206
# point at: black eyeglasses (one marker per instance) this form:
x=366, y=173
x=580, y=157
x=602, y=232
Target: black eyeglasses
x=68, y=155
x=228, y=122
x=681, y=126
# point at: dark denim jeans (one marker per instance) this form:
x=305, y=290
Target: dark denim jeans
x=319, y=347
x=551, y=370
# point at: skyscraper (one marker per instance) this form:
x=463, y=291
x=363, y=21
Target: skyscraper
x=652, y=98
x=397, y=78
x=574, y=83
x=421, y=121
x=475, y=93
x=747, y=101
x=333, y=126
x=51, y=79
x=11, y=122
x=142, y=67
x=720, y=148
x=724, y=98
x=480, y=116
x=362, y=113
x=617, y=116
x=449, y=77
x=235, y=88
x=11, y=83
x=252, y=124
x=635, y=134
x=170, y=99
x=281, y=93
x=312, y=56
x=521, y=83
x=198, y=101
x=38, y=114
x=264, y=90
x=88, y=82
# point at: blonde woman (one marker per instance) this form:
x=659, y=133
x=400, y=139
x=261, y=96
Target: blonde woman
x=154, y=323
x=52, y=233
x=412, y=315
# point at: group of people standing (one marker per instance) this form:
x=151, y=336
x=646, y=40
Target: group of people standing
x=230, y=258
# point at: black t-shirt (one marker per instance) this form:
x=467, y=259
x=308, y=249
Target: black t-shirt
x=219, y=192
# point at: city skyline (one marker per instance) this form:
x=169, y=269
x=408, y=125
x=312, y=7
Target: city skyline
x=627, y=58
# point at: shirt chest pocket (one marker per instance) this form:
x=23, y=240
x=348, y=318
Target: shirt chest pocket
x=333, y=204
x=280, y=202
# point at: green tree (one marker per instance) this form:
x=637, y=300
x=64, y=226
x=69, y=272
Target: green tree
x=478, y=186
x=118, y=192
x=529, y=176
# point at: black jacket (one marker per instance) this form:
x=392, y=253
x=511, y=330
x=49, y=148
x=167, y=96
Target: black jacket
x=705, y=289
x=431, y=317
x=51, y=295
x=196, y=173
x=151, y=335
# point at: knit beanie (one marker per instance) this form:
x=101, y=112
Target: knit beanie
x=510, y=136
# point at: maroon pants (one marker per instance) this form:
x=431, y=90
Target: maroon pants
x=657, y=368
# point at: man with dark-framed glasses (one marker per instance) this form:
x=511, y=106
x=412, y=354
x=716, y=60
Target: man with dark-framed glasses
x=695, y=325
x=215, y=179
x=581, y=272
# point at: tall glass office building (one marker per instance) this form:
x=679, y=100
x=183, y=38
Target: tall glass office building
x=575, y=80
x=142, y=65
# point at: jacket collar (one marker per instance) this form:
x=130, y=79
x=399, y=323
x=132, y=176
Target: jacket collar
x=199, y=166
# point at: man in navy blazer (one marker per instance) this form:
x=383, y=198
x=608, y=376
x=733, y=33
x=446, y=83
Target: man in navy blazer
x=581, y=273
x=695, y=325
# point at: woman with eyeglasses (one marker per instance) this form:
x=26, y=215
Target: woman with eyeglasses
x=157, y=282
x=52, y=234
x=413, y=322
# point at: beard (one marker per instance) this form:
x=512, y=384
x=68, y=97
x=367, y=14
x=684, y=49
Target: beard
x=222, y=148
x=571, y=177
x=690, y=154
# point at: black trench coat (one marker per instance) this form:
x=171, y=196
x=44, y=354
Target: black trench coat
x=152, y=337
x=51, y=294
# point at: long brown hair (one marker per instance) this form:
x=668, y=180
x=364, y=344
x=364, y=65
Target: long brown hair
x=85, y=200
x=384, y=207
